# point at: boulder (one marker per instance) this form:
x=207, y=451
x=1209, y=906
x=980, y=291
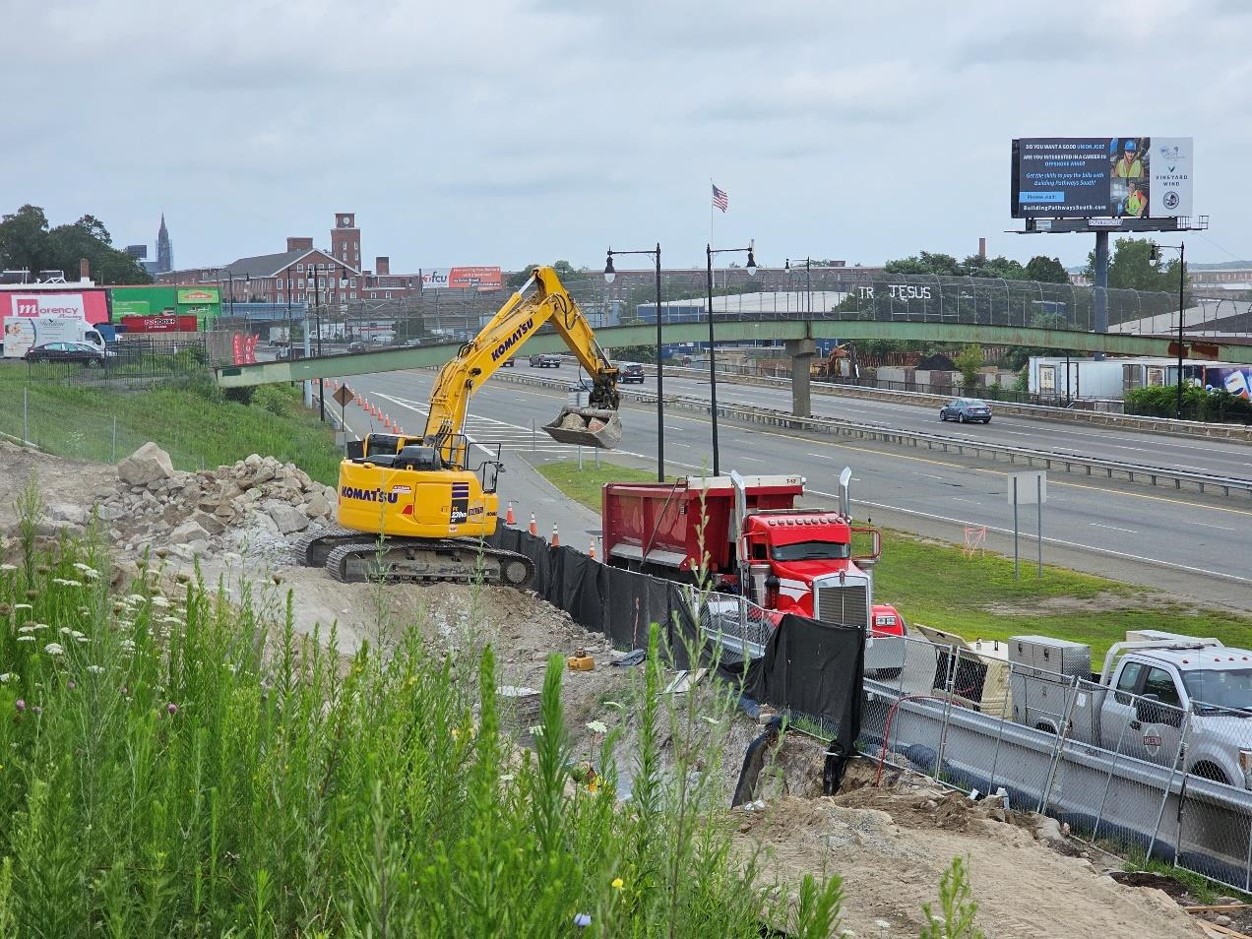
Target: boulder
x=67, y=512
x=145, y=465
x=318, y=506
x=287, y=517
x=190, y=530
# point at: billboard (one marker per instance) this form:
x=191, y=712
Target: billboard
x=89, y=305
x=462, y=278
x=1102, y=177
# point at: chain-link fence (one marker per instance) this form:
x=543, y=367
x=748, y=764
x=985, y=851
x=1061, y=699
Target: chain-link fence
x=445, y=316
x=1129, y=770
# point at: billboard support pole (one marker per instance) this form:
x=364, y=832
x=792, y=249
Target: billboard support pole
x=1101, y=272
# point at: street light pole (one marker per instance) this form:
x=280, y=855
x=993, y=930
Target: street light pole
x=609, y=275
x=1154, y=258
x=709, y=251
x=1182, y=275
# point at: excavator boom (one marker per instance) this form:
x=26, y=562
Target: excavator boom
x=410, y=509
x=542, y=299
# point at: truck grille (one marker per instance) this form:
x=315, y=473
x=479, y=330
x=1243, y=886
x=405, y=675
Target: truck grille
x=847, y=605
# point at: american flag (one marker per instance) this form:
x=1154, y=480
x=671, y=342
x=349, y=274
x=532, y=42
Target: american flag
x=720, y=199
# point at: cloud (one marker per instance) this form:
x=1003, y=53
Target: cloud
x=502, y=131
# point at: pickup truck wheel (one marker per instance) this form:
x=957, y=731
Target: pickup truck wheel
x=1209, y=771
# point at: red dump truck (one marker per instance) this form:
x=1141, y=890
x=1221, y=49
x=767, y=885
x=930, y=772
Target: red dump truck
x=745, y=537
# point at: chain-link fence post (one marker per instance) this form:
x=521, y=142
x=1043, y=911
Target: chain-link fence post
x=1169, y=784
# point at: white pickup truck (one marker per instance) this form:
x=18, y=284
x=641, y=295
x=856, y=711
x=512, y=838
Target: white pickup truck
x=1154, y=688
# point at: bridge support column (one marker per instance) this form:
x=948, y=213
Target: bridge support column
x=801, y=352
x=1100, y=298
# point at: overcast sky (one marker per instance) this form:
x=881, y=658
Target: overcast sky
x=514, y=131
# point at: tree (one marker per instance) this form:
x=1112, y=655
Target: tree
x=27, y=243
x=1048, y=270
x=24, y=240
x=968, y=362
x=1129, y=267
x=1004, y=268
x=944, y=265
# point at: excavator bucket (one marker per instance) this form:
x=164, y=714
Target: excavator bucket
x=586, y=427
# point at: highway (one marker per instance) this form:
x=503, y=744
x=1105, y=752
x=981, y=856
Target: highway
x=1186, y=543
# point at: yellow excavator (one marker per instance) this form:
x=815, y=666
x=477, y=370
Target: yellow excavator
x=410, y=509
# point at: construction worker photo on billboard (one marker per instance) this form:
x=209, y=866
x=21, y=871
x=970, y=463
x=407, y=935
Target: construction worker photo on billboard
x=1128, y=163
x=1136, y=202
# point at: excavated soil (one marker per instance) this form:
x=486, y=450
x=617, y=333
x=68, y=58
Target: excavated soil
x=890, y=843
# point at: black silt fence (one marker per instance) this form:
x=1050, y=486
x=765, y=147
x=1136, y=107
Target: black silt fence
x=809, y=668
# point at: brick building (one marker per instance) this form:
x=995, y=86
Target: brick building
x=305, y=274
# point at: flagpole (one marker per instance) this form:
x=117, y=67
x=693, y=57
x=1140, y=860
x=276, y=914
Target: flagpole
x=712, y=209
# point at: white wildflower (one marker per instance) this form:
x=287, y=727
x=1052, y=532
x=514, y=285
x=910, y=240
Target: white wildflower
x=25, y=638
x=128, y=645
x=54, y=648
x=66, y=582
x=7, y=677
x=41, y=626
x=22, y=606
x=597, y=727
x=87, y=570
x=8, y=567
x=28, y=628
x=161, y=602
x=81, y=638
x=95, y=669
x=65, y=630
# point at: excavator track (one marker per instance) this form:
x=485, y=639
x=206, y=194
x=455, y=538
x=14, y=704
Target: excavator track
x=420, y=560
x=312, y=550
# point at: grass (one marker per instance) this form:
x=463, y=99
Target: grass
x=172, y=765
x=189, y=418
x=924, y=579
x=584, y=485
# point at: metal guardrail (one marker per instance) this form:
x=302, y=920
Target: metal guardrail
x=1048, y=459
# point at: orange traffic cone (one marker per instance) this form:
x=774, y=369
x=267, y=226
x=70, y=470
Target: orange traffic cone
x=556, y=539
x=534, y=526
x=508, y=516
x=591, y=553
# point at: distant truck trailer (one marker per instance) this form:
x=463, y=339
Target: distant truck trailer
x=23, y=333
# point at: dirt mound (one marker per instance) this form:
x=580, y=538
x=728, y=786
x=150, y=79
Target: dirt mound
x=890, y=843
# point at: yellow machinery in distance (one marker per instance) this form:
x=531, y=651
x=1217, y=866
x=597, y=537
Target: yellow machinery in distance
x=410, y=509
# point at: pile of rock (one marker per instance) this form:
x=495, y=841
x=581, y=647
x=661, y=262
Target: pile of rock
x=251, y=507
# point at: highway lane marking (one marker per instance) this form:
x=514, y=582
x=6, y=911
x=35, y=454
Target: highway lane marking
x=1129, y=531
x=1054, y=541
x=750, y=459
x=1218, y=527
x=962, y=499
x=1052, y=480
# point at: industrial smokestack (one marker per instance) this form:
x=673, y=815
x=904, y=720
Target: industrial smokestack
x=982, y=247
x=84, y=269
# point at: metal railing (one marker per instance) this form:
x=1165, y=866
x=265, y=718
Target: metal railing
x=1048, y=459
x=1132, y=775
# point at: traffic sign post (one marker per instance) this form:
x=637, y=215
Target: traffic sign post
x=343, y=395
x=1026, y=488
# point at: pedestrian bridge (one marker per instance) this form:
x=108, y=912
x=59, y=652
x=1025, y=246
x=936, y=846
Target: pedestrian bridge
x=836, y=304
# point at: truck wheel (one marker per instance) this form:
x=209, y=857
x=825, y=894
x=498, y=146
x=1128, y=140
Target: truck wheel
x=1209, y=771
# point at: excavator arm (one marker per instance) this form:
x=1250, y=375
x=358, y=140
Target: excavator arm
x=543, y=299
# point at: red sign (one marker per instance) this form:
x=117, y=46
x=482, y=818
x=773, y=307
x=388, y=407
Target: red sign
x=243, y=349
x=165, y=323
